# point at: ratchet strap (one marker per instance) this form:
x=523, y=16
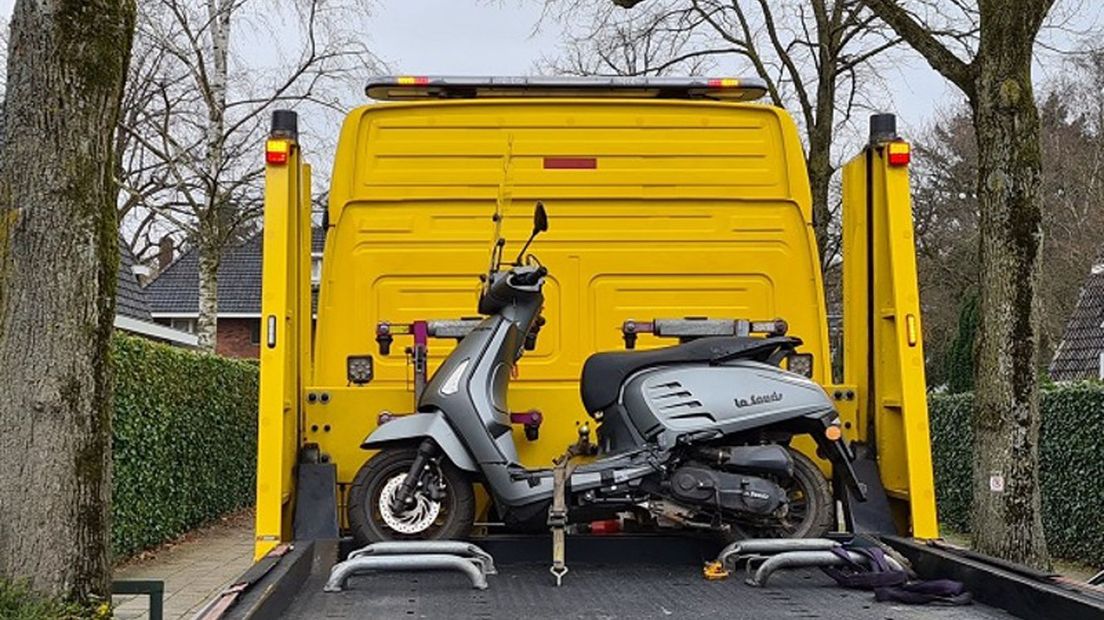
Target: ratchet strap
x=557, y=514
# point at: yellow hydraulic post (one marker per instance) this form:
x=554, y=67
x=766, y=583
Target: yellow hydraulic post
x=285, y=312
x=883, y=348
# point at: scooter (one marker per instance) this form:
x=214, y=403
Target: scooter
x=690, y=436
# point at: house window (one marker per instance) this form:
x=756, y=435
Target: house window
x=316, y=269
x=255, y=332
x=184, y=325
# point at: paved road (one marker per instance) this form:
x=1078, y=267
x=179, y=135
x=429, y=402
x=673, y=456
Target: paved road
x=194, y=570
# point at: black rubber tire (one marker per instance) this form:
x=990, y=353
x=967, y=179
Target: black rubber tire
x=819, y=502
x=458, y=506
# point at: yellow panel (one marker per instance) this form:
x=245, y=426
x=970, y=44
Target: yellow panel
x=693, y=209
x=285, y=343
x=881, y=359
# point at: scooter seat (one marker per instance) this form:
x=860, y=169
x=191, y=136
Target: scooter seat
x=603, y=373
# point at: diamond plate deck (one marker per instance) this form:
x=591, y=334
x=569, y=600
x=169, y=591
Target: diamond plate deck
x=593, y=592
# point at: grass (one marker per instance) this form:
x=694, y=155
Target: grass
x=17, y=602
x=1077, y=571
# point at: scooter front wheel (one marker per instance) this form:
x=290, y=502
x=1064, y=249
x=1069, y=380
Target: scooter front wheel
x=372, y=519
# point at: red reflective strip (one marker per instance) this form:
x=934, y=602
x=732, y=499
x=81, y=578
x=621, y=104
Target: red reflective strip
x=277, y=158
x=421, y=80
x=714, y=83
x=570, y=163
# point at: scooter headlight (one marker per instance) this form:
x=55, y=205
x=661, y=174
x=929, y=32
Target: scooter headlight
x=800, y=363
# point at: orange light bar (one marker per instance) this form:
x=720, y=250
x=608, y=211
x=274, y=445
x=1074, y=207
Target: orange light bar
x=899, y=153
x=276, y=152
x=421, y=87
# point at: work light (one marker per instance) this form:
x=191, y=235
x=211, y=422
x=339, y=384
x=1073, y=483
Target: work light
x=358, y=369
x=800, y=363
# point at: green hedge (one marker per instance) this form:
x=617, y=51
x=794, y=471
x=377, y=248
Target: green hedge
x=185, y=441
x=1071, y=469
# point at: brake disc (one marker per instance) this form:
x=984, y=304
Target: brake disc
x=414, y=520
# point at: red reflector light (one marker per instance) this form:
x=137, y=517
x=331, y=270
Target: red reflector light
x=570, y=163
x=607, y=526
x=276, y=152
x=898, y=153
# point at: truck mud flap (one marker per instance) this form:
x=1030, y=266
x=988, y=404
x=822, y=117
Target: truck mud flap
x=873, y=516
x=316, y=502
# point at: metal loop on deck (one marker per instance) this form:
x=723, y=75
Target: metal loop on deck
x=411, y=547
x=430, y=561
x=750, y=548
x=807, y=559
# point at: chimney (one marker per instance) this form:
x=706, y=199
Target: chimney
x=165, y=251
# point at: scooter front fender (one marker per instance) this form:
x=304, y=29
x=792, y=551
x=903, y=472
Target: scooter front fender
x=419, y=426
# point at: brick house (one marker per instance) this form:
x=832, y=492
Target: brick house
x=1080, y=355
x=132, y=307
x=174, y=294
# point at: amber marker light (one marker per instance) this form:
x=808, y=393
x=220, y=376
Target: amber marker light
x=276, y=152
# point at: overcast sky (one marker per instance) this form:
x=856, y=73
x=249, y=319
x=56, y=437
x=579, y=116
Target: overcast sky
x=482, y=37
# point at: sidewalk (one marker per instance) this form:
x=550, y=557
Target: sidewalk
x=194, y=570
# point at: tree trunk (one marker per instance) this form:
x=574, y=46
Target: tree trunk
x=1006, y=516
x=820, y=182
x=210, y=256
x=58, y=259
x=210, y=228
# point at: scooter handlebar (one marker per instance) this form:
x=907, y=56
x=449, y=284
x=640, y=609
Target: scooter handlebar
x=530, y=278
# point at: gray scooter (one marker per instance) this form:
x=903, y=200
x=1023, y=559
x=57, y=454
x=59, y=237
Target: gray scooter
x=690, y=436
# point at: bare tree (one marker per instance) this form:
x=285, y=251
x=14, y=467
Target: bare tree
x=58, y=261
x=812, y=54
x=197, y=115
x=998, y=42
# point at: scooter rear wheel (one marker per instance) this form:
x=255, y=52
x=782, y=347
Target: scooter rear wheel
x=371, y=520
x=810, y=501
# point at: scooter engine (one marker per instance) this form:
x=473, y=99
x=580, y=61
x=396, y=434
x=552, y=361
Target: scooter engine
x=708, y=487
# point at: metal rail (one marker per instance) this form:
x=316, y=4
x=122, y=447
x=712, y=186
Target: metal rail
x=807, y=559
x=412, y=547
x=755, y=548
x=437, y=561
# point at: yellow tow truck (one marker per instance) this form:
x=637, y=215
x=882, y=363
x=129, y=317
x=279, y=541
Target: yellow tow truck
x=678, y=204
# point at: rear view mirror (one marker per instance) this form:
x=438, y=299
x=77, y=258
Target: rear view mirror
x=540, y=219
x=540, y=224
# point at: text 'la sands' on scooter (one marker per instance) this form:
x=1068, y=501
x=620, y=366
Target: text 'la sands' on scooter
x=693, y=436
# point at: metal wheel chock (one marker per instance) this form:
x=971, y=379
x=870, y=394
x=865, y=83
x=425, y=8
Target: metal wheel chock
x=416, y=547
x=752, y=549
x=807, y=559
x=473, y=568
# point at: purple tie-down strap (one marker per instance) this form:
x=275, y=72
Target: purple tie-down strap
x=532, y=417
x=936, y=592
x=854, y=575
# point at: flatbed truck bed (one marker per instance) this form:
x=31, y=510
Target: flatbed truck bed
x=618, y=578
